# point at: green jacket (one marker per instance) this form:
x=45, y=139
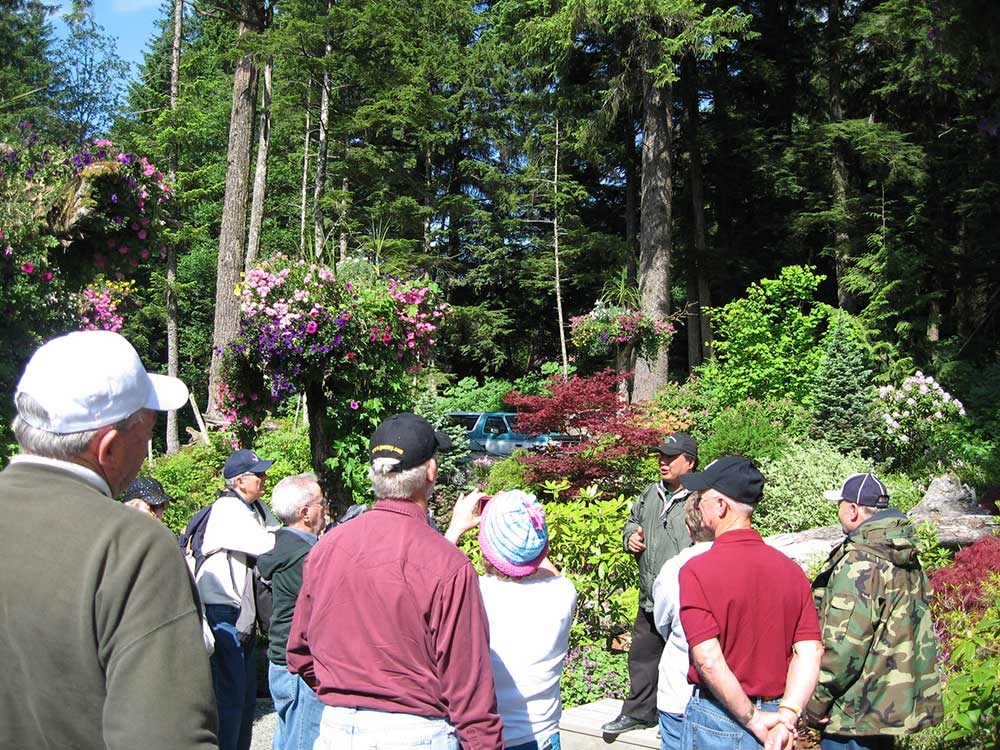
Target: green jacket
x=878, y=672
x=663, y=532
x=283, y=567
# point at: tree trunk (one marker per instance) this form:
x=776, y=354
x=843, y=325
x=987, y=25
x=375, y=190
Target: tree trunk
x=232, y=235
x=428, y=198
x=654, y=225
x=319, y=189
x=555, y=247
x=172, y=437
x=838, y=161
x=344, y=186
x=725, y=242
x=631, y=198
x=315, y=398
x=260, y=172
x=305, y=179
x=696, y=321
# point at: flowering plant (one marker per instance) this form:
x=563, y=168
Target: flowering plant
x=100, y=303
x=98, y=205
x=303, y=324
x=609, y=326
x=917, y=419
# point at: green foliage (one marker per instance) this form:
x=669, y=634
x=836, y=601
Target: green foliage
x=932, y=555
x=191, y=477
x=842, y=393
x=754, y=429
x=585, y=544
x=972, y=711
x=507, y=474
x=691, y=403
x=470, y=395
x=795, y=482
x=593, y=673
x=770, y=342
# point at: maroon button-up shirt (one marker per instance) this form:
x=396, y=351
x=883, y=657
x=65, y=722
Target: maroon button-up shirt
x=390, y=618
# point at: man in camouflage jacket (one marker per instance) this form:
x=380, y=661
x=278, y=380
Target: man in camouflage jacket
x=878, y=677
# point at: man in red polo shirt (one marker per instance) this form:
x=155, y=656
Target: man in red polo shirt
x=751, y=625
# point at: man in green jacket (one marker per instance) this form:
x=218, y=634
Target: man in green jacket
x=298, y=502
x=878, y=677
x=654, y=533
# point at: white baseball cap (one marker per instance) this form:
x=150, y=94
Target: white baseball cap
x=91, y=379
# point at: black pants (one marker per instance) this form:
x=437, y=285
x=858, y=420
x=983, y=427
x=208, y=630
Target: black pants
x=643, y=668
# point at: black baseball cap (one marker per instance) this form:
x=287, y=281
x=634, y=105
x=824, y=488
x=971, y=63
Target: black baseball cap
x=409, y=438
x=863, y=489
x=734, y=476
x=244, y=462
x=149, y=491
x=678, y=443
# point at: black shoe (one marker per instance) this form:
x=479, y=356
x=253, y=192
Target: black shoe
x=625, y=723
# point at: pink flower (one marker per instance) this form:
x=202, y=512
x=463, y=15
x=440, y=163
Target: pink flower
x=355, y=405
x=351, y=355
x=142, y=234
x=47, y=276
x=28, y=268
x=311, y=326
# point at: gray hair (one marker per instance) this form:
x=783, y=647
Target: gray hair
x=292, y=494
x=408, y=483
x=64, y=447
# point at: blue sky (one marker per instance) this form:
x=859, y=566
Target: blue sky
x=130, y=22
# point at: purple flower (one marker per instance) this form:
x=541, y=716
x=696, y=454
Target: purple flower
x=355, y=405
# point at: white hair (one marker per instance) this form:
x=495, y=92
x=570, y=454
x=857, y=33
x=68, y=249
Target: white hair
x=404, y=484
x=64, y=447
x=292, y=494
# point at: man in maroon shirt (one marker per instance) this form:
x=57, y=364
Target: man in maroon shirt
x=389, y=627
x=751, y=625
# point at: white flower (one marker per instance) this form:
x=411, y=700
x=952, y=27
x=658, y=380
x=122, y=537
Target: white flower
x=904, y=438
x=911, y=402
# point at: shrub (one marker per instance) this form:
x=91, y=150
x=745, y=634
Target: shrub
x=769, y=343
x=691, y=404
x=754, y=429
x=961, y=584
x=191, y=477
x=469, y=395
x=919, y=423
x=585, y=544
x=592, y=673
x=793, y=493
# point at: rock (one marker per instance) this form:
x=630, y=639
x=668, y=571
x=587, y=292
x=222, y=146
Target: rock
x=807, y=547
x=947, y=496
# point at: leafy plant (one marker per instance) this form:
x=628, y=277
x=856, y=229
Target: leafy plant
x=609, y=327
x=932, y=555
x=795, y=481
x=769, y=343
x=755, y=429
x=585, y=544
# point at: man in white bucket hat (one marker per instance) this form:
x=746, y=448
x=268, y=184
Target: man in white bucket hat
x=101, y=640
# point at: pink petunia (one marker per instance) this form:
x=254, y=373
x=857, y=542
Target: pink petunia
x=355, y=405
x=28, y=268
x=311, y=326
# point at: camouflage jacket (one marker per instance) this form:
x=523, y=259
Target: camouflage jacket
x=878, y=672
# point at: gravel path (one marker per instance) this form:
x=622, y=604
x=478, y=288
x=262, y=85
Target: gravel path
x=264, y=722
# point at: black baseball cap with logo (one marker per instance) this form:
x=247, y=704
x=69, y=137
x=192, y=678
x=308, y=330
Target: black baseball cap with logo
x=678, y=443
x=408, y=438
x=734, y=476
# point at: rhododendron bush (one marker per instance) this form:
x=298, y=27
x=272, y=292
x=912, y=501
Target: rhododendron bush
x=347, y=337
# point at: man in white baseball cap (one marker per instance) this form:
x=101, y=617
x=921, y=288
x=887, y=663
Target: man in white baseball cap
x=98, y=603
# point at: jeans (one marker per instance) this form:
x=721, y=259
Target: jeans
x=234, y=677
x=842, y=742
x=298, y=709
x=366, y=729
x=708, y=726
x=671, y=726
x=549, y=743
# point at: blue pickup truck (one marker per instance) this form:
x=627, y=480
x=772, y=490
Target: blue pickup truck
x=494, y=433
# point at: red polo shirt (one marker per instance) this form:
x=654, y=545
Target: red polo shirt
x=756, y=601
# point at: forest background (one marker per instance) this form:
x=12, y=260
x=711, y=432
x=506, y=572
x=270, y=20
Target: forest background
x=780, y=216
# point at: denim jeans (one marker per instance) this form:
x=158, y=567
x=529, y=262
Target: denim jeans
x=708, y=726
x=298, y=709
x=234, y=677
x=366, y=729
x=671, y=726
x=549, y=743
x=843, y=742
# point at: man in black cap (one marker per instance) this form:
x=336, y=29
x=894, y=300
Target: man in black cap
x=750, y=622
x=654, y=533
x=239, y=529
x=147, y=495
x=389, y=626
